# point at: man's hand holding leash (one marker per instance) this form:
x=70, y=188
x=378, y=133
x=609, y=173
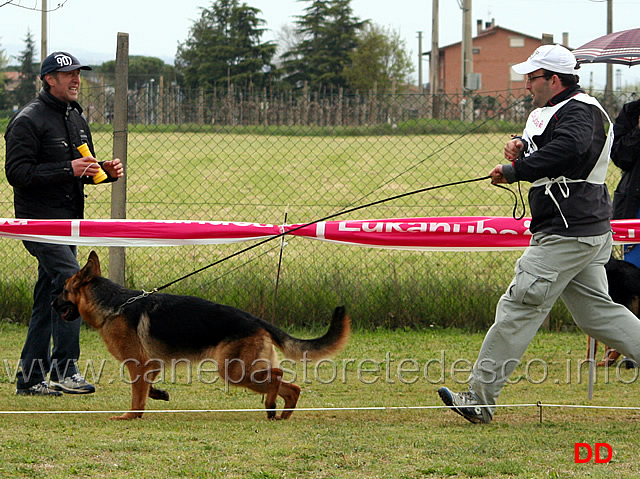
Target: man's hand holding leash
x=512, y=150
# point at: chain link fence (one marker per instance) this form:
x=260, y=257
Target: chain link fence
x=275, y=157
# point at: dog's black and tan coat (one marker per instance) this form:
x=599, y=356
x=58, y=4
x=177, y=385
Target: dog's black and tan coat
x=165, y=327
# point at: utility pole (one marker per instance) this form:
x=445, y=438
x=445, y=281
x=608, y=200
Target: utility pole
x=467, y=45
x=43, y=42
x=609, y=85
x=434, y=60
x=420, y=62
x=467, y=58
x=43, y=33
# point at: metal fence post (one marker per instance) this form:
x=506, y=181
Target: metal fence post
x=120, y=137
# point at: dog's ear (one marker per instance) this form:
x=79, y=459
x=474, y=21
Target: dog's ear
x=92, y=268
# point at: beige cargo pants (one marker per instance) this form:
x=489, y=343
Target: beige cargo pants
x=553, y=267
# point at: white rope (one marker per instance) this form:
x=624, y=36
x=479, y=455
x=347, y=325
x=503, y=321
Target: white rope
x=364, y=408
x=580, y=406
x=85, y=170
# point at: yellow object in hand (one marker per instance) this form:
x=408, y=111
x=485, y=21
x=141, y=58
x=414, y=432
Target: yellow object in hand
x=101, y=175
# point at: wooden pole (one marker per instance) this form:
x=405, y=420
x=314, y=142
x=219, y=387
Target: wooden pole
x=120, y=137
x=43, y=33
x=609, y=84
x=434, y=60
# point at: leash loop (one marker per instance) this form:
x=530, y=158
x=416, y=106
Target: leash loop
x=515, y=203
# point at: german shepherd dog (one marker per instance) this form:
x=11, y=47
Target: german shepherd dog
x=144, y=330
x=624, y=288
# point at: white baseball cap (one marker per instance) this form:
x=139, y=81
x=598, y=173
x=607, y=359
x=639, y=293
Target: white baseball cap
x=554, y=58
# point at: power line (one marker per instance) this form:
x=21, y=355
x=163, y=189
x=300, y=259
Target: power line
x=35, y=7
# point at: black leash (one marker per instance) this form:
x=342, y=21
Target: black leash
x=326, y=218
x=515, y=203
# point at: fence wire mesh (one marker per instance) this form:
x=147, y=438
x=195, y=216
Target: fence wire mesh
x=267, y=157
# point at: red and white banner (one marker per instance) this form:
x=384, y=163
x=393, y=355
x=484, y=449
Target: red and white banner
x=441, y=233
x=438, y=233
x=134, y=232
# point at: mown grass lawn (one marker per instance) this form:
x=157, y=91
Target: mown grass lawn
x=381, y=368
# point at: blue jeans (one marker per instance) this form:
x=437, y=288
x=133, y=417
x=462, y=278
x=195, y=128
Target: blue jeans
x=56, y=263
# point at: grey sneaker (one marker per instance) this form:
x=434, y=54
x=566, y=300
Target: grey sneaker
x=40, y=389
x=465, y=404
x=75, y=384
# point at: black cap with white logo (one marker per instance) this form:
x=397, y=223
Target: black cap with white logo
x=61, y=62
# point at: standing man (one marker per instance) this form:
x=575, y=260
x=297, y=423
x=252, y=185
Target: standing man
x=48, y=175
x=564, y=153
x=625, y=153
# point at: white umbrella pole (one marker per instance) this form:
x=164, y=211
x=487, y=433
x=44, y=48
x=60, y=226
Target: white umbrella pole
x=592, y=366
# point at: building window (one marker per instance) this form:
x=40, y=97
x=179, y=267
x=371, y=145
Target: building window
x=515, y=76
x=516, y=42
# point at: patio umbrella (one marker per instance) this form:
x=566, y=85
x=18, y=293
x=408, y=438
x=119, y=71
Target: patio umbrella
x=619, y=47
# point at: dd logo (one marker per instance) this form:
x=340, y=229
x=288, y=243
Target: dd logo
x=598, y=447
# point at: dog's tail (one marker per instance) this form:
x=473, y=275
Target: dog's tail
x=327, y=345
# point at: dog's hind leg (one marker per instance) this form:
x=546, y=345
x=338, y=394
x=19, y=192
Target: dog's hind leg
x=270, y=383
x=161, y=394
x=266, y=382
x=155, y=393
x=610, y=357
x=290, y=393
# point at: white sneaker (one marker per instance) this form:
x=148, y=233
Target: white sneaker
x=465, y=404
x=75, y=384
x=40, y=389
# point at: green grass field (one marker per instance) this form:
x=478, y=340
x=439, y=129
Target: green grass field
x=401, y=369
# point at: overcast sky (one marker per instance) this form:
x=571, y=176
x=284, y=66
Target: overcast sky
x=88, y=28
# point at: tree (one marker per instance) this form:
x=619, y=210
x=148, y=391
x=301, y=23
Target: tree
x=4, y=61
x=224, y=48
x=4, y=58
x=25, y=90
x=380, y=58
x=287, y=38
x=330, y=34
x=142, y=69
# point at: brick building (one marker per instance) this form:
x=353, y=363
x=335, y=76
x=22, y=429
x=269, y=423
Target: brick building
x=495, y=49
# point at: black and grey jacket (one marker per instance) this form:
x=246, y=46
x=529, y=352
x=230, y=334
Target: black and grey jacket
x=41, y=142
x=625, y=153
x=566, y=159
